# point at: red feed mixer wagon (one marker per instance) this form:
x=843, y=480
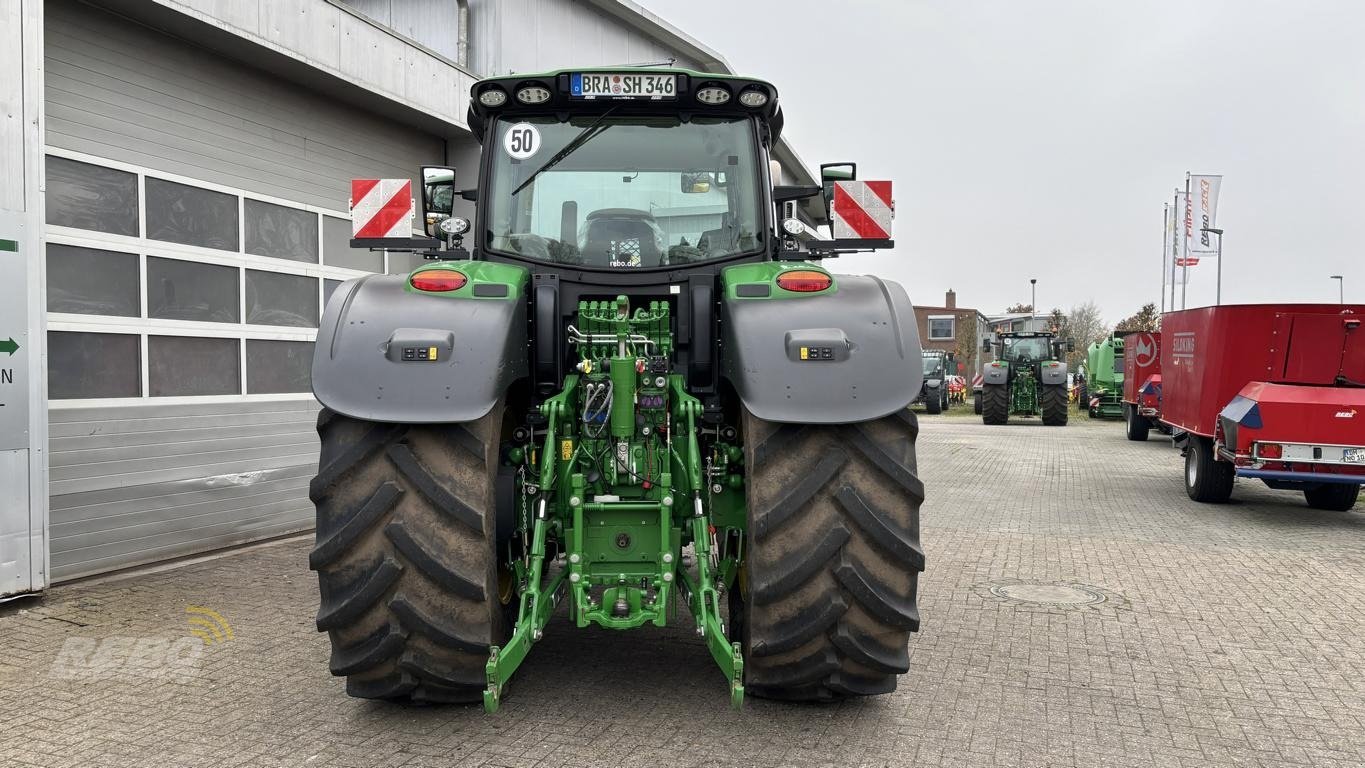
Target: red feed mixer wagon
x=1274, y=392
x=1142, y=384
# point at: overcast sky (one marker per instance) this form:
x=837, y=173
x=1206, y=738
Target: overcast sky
x=1040, y=139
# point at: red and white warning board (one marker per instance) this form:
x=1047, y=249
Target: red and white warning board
x=381, y=208
x=862, y=210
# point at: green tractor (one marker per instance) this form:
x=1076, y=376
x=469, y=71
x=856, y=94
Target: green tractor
x=1104, y=379
x=1027, y=378
x=633, y=393
x=933, y=392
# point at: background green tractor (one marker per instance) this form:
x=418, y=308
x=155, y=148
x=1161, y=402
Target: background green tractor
x=1027, y=378
x=634, y=394
x=933, y=392
x=1104, y=379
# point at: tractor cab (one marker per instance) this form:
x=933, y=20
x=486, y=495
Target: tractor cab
x=1027, y=348
x=624, y=170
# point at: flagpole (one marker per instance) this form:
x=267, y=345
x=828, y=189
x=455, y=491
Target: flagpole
x=1165, y=236
x=1185, y=243
x=1175, y=244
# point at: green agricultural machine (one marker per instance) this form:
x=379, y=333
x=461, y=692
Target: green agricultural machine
x=1027, y=378
x=634, y=395
x=1104, y=379
x=933, y=392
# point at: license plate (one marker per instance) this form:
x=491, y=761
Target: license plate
x=609, y=85
x=1353, y=455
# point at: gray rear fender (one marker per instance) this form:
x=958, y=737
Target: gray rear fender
x=995, y=374
x=1053, y=376
x=362, y=367
x=873, y=366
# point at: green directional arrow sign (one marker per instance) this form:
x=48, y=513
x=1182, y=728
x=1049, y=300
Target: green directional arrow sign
x=9, y=345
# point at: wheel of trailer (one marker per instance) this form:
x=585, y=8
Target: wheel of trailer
x=826, y=600
x=1206, y=478
x=995, y=404
x=1137, y=424
x=976, y=403
x=405, y=556
x=1053, y=400
x=1337, y=497
x=932, y=402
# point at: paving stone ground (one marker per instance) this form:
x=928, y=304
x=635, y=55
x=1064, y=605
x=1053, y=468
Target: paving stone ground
x=1228, y=635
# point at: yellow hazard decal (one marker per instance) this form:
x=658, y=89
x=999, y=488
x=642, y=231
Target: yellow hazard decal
x=566, y=449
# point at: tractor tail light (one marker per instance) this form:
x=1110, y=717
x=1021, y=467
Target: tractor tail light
x=1270, y=450
x=804, y=281
x=439, y=280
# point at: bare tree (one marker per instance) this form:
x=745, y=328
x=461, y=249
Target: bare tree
x=1083, y=325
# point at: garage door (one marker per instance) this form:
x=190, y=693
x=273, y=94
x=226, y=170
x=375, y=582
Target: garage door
x=196, y=225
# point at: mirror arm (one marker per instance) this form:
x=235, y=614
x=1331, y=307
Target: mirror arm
x=787, y=193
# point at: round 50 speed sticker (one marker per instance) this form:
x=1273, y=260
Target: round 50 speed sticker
x=521, y=141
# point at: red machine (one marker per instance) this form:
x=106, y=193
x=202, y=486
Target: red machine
x=1141, y=384
x=1274, y=392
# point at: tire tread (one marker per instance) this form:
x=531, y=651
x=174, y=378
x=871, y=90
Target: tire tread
x=834, y=558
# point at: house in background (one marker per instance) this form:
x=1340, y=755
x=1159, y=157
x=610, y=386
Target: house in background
x=954, y=329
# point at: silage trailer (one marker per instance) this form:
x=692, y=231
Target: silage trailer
x=1272, y=392
x=1142, y=384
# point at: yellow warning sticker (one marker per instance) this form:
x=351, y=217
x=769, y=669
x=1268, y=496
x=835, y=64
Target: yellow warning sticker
x=432, y=353
x=805, y=353
x=566, y=449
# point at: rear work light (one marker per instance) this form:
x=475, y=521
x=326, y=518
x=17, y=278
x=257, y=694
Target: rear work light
x=804, y=281
x=1269, y=450
x=753, y=97
x=713, y=95
x=439, y=280
x=493, y=97
x=533, y=94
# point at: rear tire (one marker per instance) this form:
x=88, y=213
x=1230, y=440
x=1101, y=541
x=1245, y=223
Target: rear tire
x=827, y=599
x=1336, y=497
x=405, y=556
x=1137, y=425
x=1207, y=480
x=1053, y=402
x=933, y=403
x=995, y=404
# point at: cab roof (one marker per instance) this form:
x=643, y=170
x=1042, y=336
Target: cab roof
x=1026, y=335
x=687, y=83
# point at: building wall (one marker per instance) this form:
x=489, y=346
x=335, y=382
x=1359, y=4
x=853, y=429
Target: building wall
x=537, y=35
x=431, y=23
x=128, y=93
x=196, y=222
x=23, y=412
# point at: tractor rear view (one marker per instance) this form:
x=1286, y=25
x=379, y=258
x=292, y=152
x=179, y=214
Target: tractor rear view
x=634, y=393
x=1027, y=378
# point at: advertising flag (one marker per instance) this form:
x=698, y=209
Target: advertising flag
x=1203, y=211
x=1174, y=276
x=1180, y=244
